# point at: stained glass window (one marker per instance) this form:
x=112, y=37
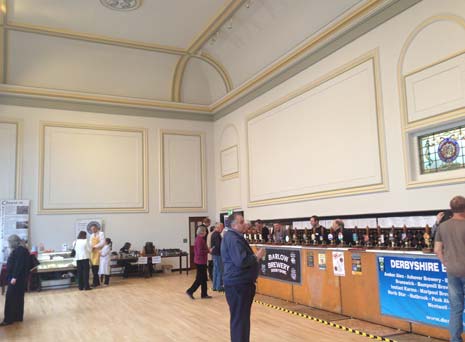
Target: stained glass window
x=442, y=150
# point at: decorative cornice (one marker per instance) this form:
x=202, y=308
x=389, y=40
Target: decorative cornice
x=225, y=105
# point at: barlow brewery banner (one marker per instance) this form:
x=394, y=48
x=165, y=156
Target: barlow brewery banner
x=281, y=264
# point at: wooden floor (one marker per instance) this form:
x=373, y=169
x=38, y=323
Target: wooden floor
x=155, y=309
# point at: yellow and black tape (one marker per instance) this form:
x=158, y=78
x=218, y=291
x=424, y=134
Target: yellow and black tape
x=334, y=325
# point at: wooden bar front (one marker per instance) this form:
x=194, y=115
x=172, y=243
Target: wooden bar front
x=354, y=295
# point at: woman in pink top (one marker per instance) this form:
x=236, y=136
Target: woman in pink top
x=200, y=259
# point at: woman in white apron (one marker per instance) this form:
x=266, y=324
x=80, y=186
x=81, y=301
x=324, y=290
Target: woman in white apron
x=105, y=259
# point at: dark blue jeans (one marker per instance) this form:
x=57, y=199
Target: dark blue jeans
x=456, y=300
x=217, y=273
x=240, y=299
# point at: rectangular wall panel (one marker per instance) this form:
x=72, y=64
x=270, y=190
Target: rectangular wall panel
x=229, y=162
x=436, y=90
x=230, y=193
x=8, y=160
x=93, y=169
x=323, y=142
x=183, y=171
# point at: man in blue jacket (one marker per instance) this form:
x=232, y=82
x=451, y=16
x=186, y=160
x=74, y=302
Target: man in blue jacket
x=240, y=274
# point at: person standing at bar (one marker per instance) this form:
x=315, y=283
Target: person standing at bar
x=262, y=229
x=17, y=272
x=278, y=234
x=341, y=235
x=449, y=246
x=240, y=274
x=200, y=259
x=97, y=240
x=216, y=254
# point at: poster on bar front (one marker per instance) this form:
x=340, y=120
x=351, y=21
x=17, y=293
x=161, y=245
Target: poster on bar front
x=281, y=264
x=414, y=289
x=14, y=219
x=338, y=264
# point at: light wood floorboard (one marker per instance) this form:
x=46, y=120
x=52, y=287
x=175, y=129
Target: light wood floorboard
x=155, y=309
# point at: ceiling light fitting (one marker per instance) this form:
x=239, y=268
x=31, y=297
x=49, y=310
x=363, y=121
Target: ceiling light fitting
x=122, y=5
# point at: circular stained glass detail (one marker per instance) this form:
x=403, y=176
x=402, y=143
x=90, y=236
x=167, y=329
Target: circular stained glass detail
x=121, y=5
x=448, y=150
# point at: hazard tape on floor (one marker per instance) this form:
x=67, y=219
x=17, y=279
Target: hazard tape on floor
x=322, y=321
x=334, y=325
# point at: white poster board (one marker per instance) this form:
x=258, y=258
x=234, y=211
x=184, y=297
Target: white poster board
x=85, y=224
x=14, y=219
x=338, y=264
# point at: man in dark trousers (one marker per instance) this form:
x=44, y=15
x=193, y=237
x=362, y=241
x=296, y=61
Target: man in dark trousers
x=17, y=272
x=240, y=274
x=216, y=254
x=449, y=246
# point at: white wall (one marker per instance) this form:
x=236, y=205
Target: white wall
x=389, y=39
x=167, y=230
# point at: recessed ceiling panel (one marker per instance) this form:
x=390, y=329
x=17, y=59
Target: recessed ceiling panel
x=166, y=22
x=268, y=29
x=57, y=63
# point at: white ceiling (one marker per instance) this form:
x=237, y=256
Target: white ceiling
x=80, y=54
x=269, y=29
x=166, y=22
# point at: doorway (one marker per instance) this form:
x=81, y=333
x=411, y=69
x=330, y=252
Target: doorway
x=194, y=222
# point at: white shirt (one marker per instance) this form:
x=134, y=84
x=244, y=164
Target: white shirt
x=82, y=248
x=101, y=237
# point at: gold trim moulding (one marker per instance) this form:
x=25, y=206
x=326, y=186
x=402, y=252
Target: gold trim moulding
x=69, y=95
x=230, y=176
x=231, y=208
x=60, y=33
x=320, y=195
x=145, y=186
x=435, y=120
x=424, y=184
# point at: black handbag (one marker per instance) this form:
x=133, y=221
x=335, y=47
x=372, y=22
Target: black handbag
x=33, y=262
x=73, y=251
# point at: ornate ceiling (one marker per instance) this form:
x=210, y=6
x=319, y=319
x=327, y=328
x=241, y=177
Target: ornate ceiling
x=181, y=55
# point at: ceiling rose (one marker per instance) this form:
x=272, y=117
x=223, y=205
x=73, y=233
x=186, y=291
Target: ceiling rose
x=122, y=5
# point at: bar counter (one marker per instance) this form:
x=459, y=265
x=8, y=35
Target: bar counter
x=356, y=294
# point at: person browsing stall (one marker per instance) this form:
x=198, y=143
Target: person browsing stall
x=82, y=256
x=17, y=269
x=97, y=240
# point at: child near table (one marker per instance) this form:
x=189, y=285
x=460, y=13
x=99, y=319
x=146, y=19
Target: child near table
x=105, y=258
